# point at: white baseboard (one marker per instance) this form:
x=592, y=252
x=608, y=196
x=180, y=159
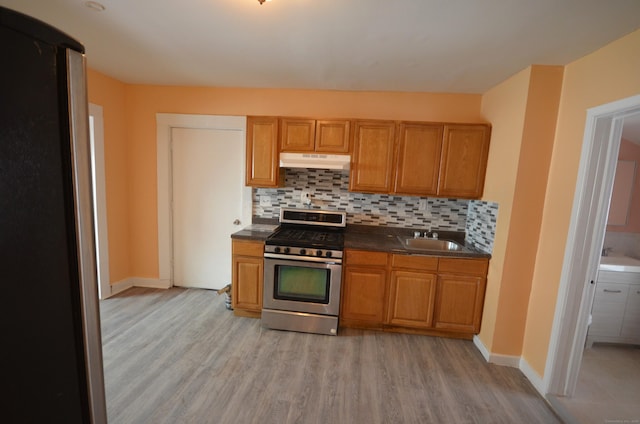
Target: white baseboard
x=511, y=361
x=495, y=358
x=127, y=283
x=152, y=283
x=120, y=286
x=482, y=348
x=533, y=377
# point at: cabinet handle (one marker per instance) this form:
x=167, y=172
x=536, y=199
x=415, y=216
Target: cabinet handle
x=613, y=291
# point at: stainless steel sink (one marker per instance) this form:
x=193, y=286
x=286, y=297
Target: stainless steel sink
x=429, y=244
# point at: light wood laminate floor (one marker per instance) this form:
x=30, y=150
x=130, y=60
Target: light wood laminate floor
x=178, y=356
x=608, y=389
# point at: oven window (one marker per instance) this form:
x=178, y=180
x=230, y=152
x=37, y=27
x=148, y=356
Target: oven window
x=302, y=284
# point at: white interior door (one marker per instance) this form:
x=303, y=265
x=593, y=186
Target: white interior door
x=207, y=183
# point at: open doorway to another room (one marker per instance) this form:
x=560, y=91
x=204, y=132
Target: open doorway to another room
x=600, y=354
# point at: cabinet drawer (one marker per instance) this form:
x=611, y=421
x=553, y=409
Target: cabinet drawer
x=426, y=263
x=610, y=293
x=247, y=248
x=464, y=266
x=364, y=257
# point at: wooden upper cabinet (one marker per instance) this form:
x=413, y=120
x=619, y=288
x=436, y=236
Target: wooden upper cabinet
x=373, y=157
x=464, y=161
x=419, y=150
x=332, y=136
x=309, y=135
x=297, y=135
x=262, y=168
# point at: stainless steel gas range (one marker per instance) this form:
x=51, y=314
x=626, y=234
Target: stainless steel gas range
x=303, y=272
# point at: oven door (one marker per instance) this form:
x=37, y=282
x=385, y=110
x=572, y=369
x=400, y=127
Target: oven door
x=302, y=286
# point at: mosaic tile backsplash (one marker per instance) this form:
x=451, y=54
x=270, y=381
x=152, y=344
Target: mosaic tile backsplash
x=329, y=189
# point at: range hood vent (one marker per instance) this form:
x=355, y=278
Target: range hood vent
x=314, y=160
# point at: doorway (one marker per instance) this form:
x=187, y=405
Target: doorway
x=96, y=138
x=234, y=126
x=584, y=243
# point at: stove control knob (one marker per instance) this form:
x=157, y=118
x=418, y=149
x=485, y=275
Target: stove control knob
x=318, y=252
x=328, y=254
x=303, y=251
x=286, y=250
x=276, y=249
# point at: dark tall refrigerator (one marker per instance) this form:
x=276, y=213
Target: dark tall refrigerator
x=51, y=355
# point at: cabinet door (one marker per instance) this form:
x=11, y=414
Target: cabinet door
x=419, y=151
x=608, y=309
x=631, y=321
x=464, y=161
x=459, y=301
x=297, y=135
x=411, y=298
x=373, y=157
x=262, y=168
x=247, y=283
x=363, y=294
x=332, y=136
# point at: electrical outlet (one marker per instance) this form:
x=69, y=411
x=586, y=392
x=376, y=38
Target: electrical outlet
x=422, y=205
x=265, y=201
x=305, y=197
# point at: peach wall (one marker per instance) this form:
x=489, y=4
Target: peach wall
x=523, y=113
x=609, y=74
x=143, y=102
x=543, y=99
x=504, y=106
x=630, y=151
x=110, y=94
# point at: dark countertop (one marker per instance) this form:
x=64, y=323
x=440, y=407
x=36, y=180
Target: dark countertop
x=385, y=239
x=375, y=238
x=255, y=232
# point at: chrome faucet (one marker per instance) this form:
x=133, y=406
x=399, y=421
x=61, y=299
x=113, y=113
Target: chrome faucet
x=606, y=250
x=431, y=234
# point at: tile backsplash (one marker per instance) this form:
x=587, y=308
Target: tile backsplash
x=329, y=189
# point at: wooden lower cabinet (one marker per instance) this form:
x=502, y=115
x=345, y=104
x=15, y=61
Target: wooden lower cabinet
x=460, y=294
x=364, y=287
x=411, y=299
x=247, y=277
x=425, y=294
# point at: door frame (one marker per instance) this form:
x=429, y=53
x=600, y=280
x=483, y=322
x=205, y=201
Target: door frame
x=164, y=123
x=601, y=144
x=100, y=200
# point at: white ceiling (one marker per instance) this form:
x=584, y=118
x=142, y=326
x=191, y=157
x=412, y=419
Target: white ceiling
x=465, y=46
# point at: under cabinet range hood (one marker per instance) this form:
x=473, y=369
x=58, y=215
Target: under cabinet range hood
x=314, y=160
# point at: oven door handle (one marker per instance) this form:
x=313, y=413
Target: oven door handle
x=330, y=261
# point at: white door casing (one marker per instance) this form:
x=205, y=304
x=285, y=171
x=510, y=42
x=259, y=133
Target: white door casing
x=165, y=123
x=594, y=187
x=96, y=122
x=208, y=175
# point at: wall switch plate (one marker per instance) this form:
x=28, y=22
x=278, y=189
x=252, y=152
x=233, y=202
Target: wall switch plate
x=422, y=205
x=265, y=201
